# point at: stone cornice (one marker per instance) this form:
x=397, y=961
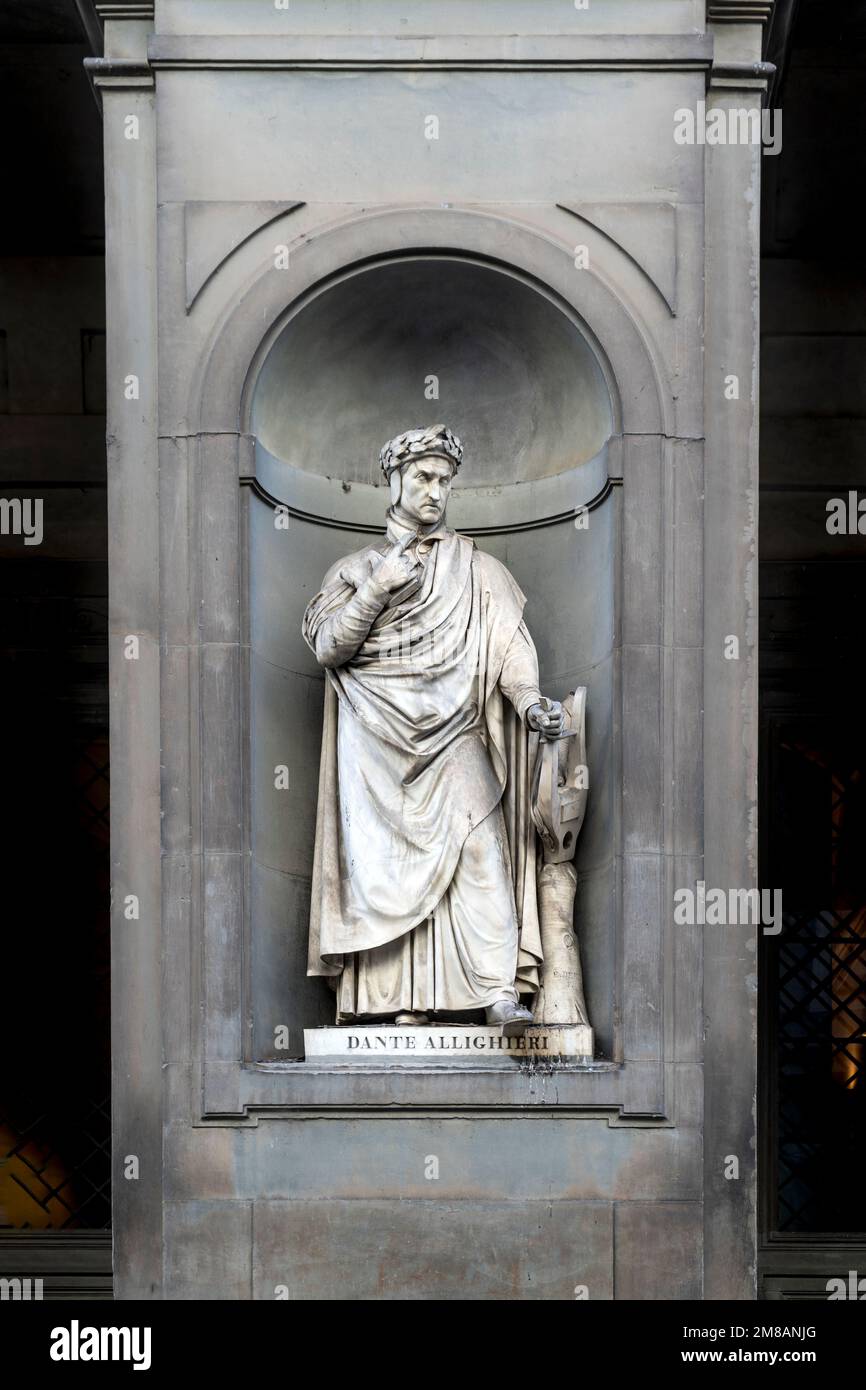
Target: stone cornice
x=742, y=76
x=457, y=52
x=118, y=73
x=131, y=10
x=739, y=11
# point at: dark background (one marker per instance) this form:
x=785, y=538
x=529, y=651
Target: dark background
x=54, y=1009
x=54, y=1005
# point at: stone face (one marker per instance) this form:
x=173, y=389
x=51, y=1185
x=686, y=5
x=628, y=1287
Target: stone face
x=526, y=1156
x=208, y=1247
x=658, y=1250
x=432, y=1250
x=555, y=138
x=731, y=702
x=229, y=152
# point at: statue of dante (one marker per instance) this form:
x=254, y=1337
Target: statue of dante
x=424, y=882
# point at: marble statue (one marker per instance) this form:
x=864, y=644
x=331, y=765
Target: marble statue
x=558, y=803
x=427, y=875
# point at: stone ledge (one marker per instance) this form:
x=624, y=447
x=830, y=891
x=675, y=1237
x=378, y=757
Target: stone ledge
x=739, y=11
x=614, y=51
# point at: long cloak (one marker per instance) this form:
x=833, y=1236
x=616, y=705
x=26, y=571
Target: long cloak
x=419, y=745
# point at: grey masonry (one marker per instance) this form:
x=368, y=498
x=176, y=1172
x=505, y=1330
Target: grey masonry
x=295, y=249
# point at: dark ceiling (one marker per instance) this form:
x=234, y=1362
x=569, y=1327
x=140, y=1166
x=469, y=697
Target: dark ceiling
x=52, y=133
x=810, y=189
x=40, y=21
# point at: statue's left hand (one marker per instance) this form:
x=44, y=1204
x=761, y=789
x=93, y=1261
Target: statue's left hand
x=547, y=718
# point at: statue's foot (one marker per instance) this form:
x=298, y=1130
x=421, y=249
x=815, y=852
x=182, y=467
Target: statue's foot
x=411, y=1020
x=513, y=1017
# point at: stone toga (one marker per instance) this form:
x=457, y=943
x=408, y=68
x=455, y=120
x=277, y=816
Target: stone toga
x=424, y=883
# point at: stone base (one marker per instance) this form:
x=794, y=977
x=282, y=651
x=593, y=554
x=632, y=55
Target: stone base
x=565, y=1039
x=445, y=1042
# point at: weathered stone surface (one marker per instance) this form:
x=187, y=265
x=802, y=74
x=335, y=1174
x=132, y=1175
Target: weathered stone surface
x=550, y=106
x=431, y=1250
x=284, y=997
x=657, y=1250
x=208, y=1250
x=731, y=702
x=528, y=1157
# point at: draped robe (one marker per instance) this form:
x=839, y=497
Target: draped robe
x=423, y=740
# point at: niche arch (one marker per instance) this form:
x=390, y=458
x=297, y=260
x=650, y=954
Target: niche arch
x=253, y=314
x=519, y=379
x=573, y=581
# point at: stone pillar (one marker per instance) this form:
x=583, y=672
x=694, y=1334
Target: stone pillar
x=126, y=87
x=737, y=80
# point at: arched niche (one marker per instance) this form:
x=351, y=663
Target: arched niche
x=414, y=335
x=522, y=381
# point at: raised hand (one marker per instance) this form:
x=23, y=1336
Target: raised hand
x=395, y=569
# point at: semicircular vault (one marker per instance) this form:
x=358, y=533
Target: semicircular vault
x=426, y=338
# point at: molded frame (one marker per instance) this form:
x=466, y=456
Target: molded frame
x=660, y=691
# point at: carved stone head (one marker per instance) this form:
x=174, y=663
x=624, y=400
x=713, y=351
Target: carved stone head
x=410, y=448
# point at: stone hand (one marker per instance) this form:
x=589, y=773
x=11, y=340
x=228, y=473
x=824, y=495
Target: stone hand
x=395, y=569
x=547, y=718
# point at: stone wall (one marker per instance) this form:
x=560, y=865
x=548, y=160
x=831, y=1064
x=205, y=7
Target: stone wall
x=256, y=167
